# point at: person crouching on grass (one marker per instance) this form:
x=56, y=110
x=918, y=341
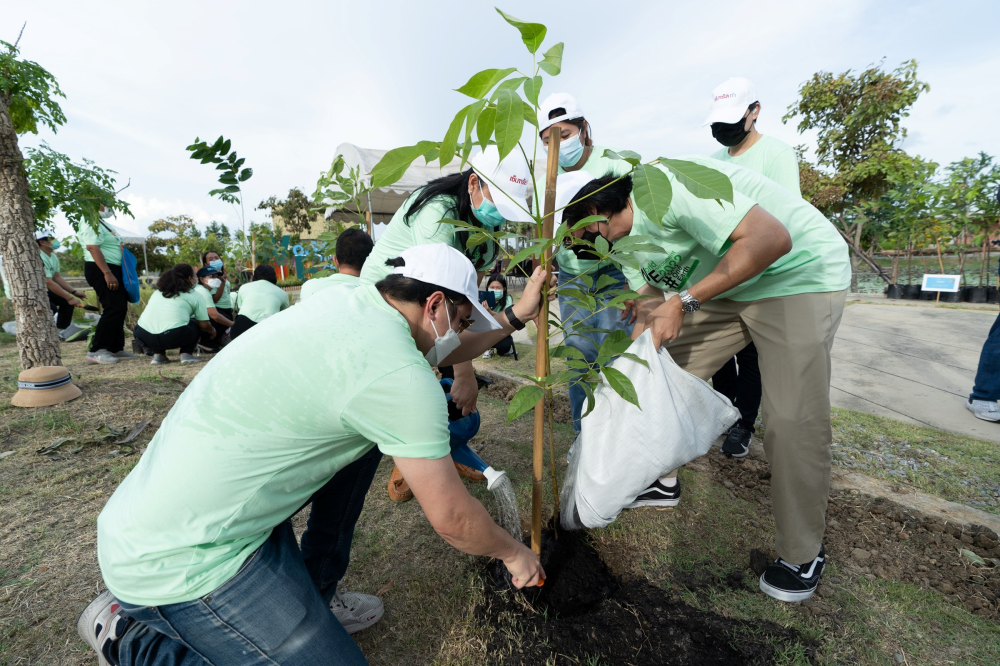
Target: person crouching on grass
x=196, y=545
x=258, y=300
x=208, y=285
x=173, y=316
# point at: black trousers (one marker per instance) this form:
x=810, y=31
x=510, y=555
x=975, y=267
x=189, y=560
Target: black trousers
x=215, y=343
x=183, y=337
x=503, y=347
x=241, y=325
x=62, y=309
x=110, y=330
x=743, y=388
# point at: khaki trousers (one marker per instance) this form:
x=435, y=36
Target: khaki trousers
x=793, y=335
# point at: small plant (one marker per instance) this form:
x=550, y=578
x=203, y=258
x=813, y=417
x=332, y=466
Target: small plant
x=290, y=282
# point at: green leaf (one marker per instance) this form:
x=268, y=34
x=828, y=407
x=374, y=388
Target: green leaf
x=587, y=280
x=622, y=260
x=458, y=223
x=529, y=113
x=565, y=351
x=327, y=237
x=510, y=121
x=510, y=84
x=532, y=34
x=524, y=400
x=652, y=191
x=601, y=245
x=620, y=384
x=629, y=156
x=532, y=88
x=232, y=189
x=637, y=246
x=633, y=357
x=485, y=125
x=701, y=181
x=245, y=175
x=587, y=221
x=450, y=141
x=394, y=163
x=470, y=123
x=605, y=280
x=227, y=178
x=551, y=64
x=589, y=390
x=536, y=248
x=476, y=239
x=480, y=84
x=615, y=344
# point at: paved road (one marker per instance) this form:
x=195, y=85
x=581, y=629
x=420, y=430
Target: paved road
x=914, y=364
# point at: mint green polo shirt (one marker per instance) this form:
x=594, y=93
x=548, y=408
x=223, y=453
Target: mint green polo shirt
x=162, y=313
x=260, y=299
x=51, y=263
x=318, y=387
x=109, y=242
x=769, y=157
x=314, y=285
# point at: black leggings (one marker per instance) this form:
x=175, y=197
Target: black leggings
x=183, y=337
x=743, y=388
x=215, y=343
x=241, y=325
x=110, y=330
x=503, y=347
x=62, y=309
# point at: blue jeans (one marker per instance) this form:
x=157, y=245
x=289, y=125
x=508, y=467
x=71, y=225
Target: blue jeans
x=987, y=385
x=589, y=343
x=275, y=610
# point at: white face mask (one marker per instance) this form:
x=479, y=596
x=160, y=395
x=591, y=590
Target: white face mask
x=106, y=213
x=443, y=344
x=214, y=283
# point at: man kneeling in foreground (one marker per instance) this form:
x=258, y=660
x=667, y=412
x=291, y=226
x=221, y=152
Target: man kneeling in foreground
x=196, y=545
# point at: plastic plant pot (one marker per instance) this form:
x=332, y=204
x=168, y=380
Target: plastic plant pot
x=928, y=295
x=992, y=295
x=894, y=291
x=911, y=292
x=952, y=296
x=976, y=295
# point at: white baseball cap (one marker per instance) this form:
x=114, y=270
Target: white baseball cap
x=443, y=266
x=507, y=180
x=568, y=185
x=39, y=235
x=558, y=101
x=730, y=101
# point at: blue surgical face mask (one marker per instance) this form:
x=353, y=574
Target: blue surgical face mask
x=217, y=264
x=488, y=213
x=55, y=244
x=570, y=151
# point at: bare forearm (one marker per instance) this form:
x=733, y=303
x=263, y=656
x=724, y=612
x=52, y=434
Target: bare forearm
x=61, y=281
x=214, y=315
x=474, y=344
x=471, y=529
x=56, y=289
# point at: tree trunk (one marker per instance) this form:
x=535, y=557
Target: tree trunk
x=37, y=338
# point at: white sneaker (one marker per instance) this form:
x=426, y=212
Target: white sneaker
x=102, y=356
x=188, y=359
x=124, y=355
x=987, y=410
x=356, y=611
x=489, y=353
x=100, y=623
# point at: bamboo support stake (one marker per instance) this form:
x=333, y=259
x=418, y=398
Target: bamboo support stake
x=368, y=221
x=542, y=348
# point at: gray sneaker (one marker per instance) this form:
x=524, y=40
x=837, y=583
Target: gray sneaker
x=159, y=359
x=102, y=356
x=125, y=355
x=987, y=410
x=356, y=611
x=188, y=359
x=102, y=623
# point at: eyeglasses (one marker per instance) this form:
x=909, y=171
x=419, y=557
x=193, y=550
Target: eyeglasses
x=463, y=323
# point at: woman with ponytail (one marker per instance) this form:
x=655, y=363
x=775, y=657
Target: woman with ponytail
x=173, y=316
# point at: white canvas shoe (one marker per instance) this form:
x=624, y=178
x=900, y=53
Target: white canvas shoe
x=356, y=611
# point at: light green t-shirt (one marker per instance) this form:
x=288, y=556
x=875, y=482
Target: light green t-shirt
x=162, y=313
x=205, y=294
x=500, y=307
x=51, y=263
x=109, y=242
x=770, y=157
x=695, y=234
x=597, y=165
x=311, y=287
x=423, y=229
x=225, y=301
x=219, y=474
x=260, y=299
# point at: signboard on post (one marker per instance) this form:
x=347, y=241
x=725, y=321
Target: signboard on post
x=949, y=283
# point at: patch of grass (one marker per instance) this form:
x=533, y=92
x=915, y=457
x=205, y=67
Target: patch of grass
x=7, y=339
x=955, y=467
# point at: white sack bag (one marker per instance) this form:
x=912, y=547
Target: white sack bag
x=622, y=449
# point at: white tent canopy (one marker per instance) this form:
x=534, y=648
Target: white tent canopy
x=127, y=236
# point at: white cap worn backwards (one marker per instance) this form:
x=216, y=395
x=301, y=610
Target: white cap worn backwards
x=443, y=266
x=558, y=101
x=568, y=185
x=731, y=100
x=507, y=181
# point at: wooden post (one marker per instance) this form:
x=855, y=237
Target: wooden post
x=542, y=348
x=253, y=250
x=368, y=221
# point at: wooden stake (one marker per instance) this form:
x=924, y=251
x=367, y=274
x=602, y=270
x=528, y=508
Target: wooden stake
x=542, y=348
x=368, y=221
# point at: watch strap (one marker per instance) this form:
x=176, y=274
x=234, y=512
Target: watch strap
x=512, y=319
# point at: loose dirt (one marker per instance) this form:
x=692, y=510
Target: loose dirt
x=504, y=389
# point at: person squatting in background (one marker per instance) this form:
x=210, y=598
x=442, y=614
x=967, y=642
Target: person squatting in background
x=62, y=297
x=733, y=119
x=208, y=285
x=257, y=300
x=353, y=248
x=173, y=316
x=498, y=285
x=102, y=268
x=560, y=112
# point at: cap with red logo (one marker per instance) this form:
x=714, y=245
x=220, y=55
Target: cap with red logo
x=507, y=180
x=731, y=100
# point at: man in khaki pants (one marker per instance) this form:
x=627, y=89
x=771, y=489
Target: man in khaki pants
x=767, y=269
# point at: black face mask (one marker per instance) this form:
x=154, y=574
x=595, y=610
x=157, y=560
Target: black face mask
x=730, y=134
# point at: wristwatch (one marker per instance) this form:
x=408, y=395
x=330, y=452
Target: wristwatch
x=512, y=318
x=689, y=303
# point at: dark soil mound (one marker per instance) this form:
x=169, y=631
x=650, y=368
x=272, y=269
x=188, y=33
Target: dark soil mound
x=583, y=615
x=505, y=389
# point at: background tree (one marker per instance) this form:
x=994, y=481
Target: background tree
x=969, y=200
x=294, y=214
x=182, y=245
x=218, y=230
x=46, y=180
x=858, y=117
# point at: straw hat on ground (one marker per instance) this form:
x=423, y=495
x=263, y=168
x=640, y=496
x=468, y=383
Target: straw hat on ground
x=44, y=386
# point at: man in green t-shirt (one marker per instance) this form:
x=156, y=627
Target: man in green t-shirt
x=768, y=268
x=733, y=117
x=196, y=544
x=353, y=247
x=62, y=297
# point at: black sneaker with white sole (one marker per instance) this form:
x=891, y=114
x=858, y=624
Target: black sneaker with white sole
x=658, y=495
x=793, y=582
x=737, y=444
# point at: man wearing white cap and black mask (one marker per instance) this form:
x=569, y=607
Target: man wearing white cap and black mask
x=733, y=118
x=196, y=544
x=560, y=112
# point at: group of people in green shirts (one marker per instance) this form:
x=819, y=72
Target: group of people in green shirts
x=200, y=559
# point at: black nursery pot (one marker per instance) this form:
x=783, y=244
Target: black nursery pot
x=928, y=295
x=953, y=296
x=894, y=291
x=975, y=295
x=911, y=292
x=992, y=295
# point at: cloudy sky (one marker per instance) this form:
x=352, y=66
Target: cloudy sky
x=288, y=82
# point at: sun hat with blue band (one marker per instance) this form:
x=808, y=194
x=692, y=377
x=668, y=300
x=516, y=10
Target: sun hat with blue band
x=44, y=386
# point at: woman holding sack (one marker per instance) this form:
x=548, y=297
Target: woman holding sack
x=102, y=268
x=173, y=316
